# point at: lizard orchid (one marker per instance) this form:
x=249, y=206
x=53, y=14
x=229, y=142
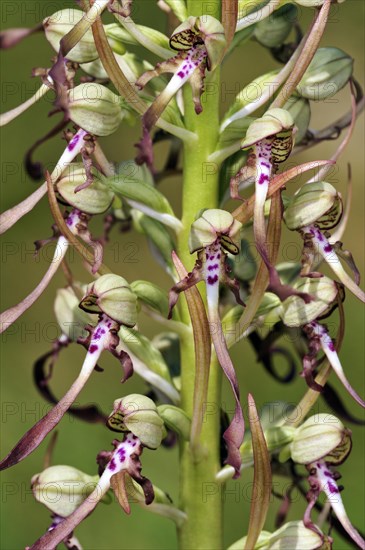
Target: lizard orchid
x=212, y=234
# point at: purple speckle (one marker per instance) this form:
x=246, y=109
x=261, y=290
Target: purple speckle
x=71, y=146
x=181, y=74
x=212, y=257
x=112, y=465
x=93, y=348
x=97, y=334
x=318, y=464
x=212, y=267
x=134, y=444
x=328, y=474
x=327, y=248
x=121, y=454
x=263, y=178
x=266, y=164
x=331, y=346
x=212, y=280
x=332, y=488
x=320, y=237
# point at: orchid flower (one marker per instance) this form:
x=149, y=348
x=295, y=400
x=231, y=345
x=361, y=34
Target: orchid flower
x=11, y=216
x=123, y=460
x=214, y=232
x=322, y=479
x=112, y=299
x=271, y=138
x=315, y=207
x=319, y=337
x=321, y=443
x=87, y=195
x=201, y=43
x=297, y=314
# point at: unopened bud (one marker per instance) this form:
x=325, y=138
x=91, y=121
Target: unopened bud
x=315, y=203
x=93, y=199
x=272, y=31
x=62, y=488
x=313, y=3
x=138, y=414
x=176, y=419
x=328, y=72
x=152, y=296
x=71, y=319
x=300, y=110
x=322, y=436
x=295, y=536
x=111, y=295
x=59, y=24
x=296, y=313
x=95, y=108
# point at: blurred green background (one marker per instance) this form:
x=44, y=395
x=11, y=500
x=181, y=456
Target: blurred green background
x=23, y=520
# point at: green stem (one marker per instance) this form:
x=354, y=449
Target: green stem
x=200, y=496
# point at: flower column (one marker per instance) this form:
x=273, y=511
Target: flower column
x=203, y=529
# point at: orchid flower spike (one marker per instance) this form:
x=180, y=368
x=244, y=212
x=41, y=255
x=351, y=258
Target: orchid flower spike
x=116, y=466
x=320, y=443
x=214, y=232
x=87, y=195
x=112, y=299
x=200, y=42
x=316, y=207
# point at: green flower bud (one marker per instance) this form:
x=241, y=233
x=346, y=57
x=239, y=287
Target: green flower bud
x=152, y=296
x=210, y=225
x=159, y=238
x=59, y=24
x=328, y=72
x=261, y=543
x=95, y=69
x=95, y=108
x=71, y=319
x=94, y=199
x=111, y=295
x=62, y=488
x=300, y=110
x=168, y=344
x=272, y=31
x=291, y=536
x=176, y=419
x=296, y=313
x=295, y=536
x=138, y=414
x=178, y=7
x=276, y=438
x=201, y=30
x=143, y=349
x=313, y=3
x=277, y=124
x=315, y=203
x=322, y=436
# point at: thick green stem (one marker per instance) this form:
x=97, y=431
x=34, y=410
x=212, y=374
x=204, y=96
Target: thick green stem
x=200, y=496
